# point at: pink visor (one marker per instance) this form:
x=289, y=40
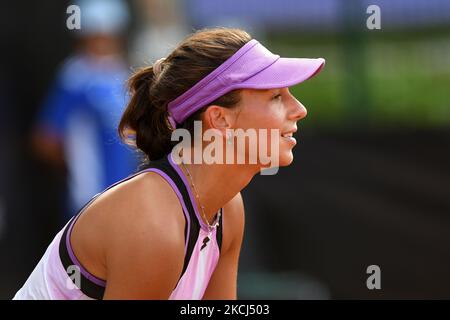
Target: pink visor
x=252, y=67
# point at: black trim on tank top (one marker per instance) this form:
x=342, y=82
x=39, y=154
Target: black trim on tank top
x=164, y=165
x=88, y=287
x=219, y=232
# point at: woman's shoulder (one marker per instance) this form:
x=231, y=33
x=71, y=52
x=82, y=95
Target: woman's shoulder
x=126, y=218
x=144, y=201
x=146, y=241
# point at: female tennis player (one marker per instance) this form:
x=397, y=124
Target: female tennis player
x=174, y=230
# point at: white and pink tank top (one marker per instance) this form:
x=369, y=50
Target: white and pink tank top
x=53, y=277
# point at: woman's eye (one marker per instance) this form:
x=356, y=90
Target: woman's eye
x=277, y=97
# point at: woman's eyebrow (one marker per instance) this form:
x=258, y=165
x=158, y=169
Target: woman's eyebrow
x=269, y=91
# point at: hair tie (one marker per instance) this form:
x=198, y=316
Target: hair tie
x=157, y=66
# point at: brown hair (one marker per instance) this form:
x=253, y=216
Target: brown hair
x=144, y=123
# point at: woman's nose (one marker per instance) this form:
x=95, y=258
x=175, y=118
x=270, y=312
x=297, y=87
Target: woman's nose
x=298, y=110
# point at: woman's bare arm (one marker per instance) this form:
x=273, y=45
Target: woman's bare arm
x=223, y=283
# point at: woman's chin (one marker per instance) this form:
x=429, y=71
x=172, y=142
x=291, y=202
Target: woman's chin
x=286, y=158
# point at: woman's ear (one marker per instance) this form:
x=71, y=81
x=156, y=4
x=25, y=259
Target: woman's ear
x=216, y=117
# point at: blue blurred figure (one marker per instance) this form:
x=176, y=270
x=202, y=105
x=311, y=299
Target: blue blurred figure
x=76, y=128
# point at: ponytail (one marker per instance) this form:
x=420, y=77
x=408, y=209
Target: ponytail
x=144, y=122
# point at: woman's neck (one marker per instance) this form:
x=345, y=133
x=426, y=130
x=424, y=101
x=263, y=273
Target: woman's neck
x=217, y=184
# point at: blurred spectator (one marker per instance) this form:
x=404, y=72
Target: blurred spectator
x=76, y=128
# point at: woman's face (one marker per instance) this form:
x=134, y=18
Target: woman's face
x=271, y=109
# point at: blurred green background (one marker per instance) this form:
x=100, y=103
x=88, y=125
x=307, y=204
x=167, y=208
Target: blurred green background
x=385, y=80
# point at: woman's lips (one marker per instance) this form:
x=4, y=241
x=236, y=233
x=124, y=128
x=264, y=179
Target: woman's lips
x=289, y=139
x=288, y=136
